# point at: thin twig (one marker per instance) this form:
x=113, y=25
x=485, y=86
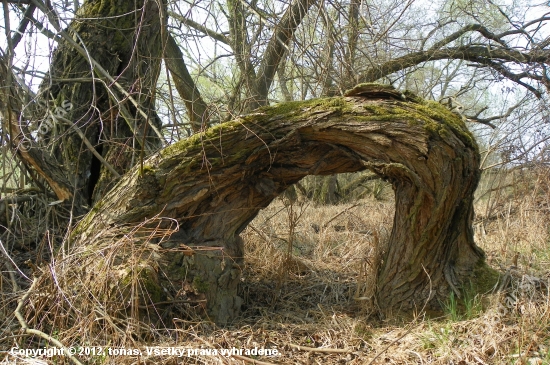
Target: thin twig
x=172, y=302
x=88, y=144
x=393, y=343
x=339, y=214
x=252, y=361
x=32, y=331
x=316, y=349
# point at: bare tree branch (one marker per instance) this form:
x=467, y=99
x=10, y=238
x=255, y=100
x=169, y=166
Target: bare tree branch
x=487, y=121
x=240, y=44
x=44, y=164
x=23, y=26
x=188, y=91
x=492, y=57
x=469, y=28
x=201, y=28
x=277, y=47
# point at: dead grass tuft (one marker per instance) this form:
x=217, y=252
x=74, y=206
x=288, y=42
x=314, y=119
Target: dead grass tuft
x=307, y=286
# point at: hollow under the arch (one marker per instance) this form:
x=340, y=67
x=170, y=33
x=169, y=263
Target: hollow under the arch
x=300, y=252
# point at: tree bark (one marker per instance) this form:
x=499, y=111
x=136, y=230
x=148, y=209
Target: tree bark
x=125, y=38
x=214, y=184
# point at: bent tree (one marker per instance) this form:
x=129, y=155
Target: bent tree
x=214, y=184
x=208, y=187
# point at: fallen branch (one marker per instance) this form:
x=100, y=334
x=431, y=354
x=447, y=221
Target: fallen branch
x=393, y=343
x=339, y=214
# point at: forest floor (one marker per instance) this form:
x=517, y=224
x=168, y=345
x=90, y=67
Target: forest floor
x=308, y=284
x=321, y=297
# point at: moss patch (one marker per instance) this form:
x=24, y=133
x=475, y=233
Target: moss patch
x=199, y=285
x=147, y=283
x=484, y=278
x=446, y=119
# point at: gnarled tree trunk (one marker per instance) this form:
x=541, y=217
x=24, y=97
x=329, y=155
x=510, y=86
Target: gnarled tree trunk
x=87, y=111
x=214, y=184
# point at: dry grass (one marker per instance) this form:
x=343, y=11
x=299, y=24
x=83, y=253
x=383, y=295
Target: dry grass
x=307, y=289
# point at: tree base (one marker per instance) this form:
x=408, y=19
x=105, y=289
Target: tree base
x=208, y=279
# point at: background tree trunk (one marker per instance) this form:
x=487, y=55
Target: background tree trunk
x=125, y=38
x=214, y=184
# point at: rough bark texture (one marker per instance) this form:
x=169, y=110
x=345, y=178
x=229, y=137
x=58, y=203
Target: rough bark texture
x=214, y=184
x=125, y=38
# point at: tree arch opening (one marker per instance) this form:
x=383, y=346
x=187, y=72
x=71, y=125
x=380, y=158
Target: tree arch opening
x=307, y=249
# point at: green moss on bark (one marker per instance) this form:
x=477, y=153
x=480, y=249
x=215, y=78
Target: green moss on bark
x=484, y=279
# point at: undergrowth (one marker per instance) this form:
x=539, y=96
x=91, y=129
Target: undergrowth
x=308, y=285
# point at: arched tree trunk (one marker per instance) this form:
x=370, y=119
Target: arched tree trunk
x=214, y=184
